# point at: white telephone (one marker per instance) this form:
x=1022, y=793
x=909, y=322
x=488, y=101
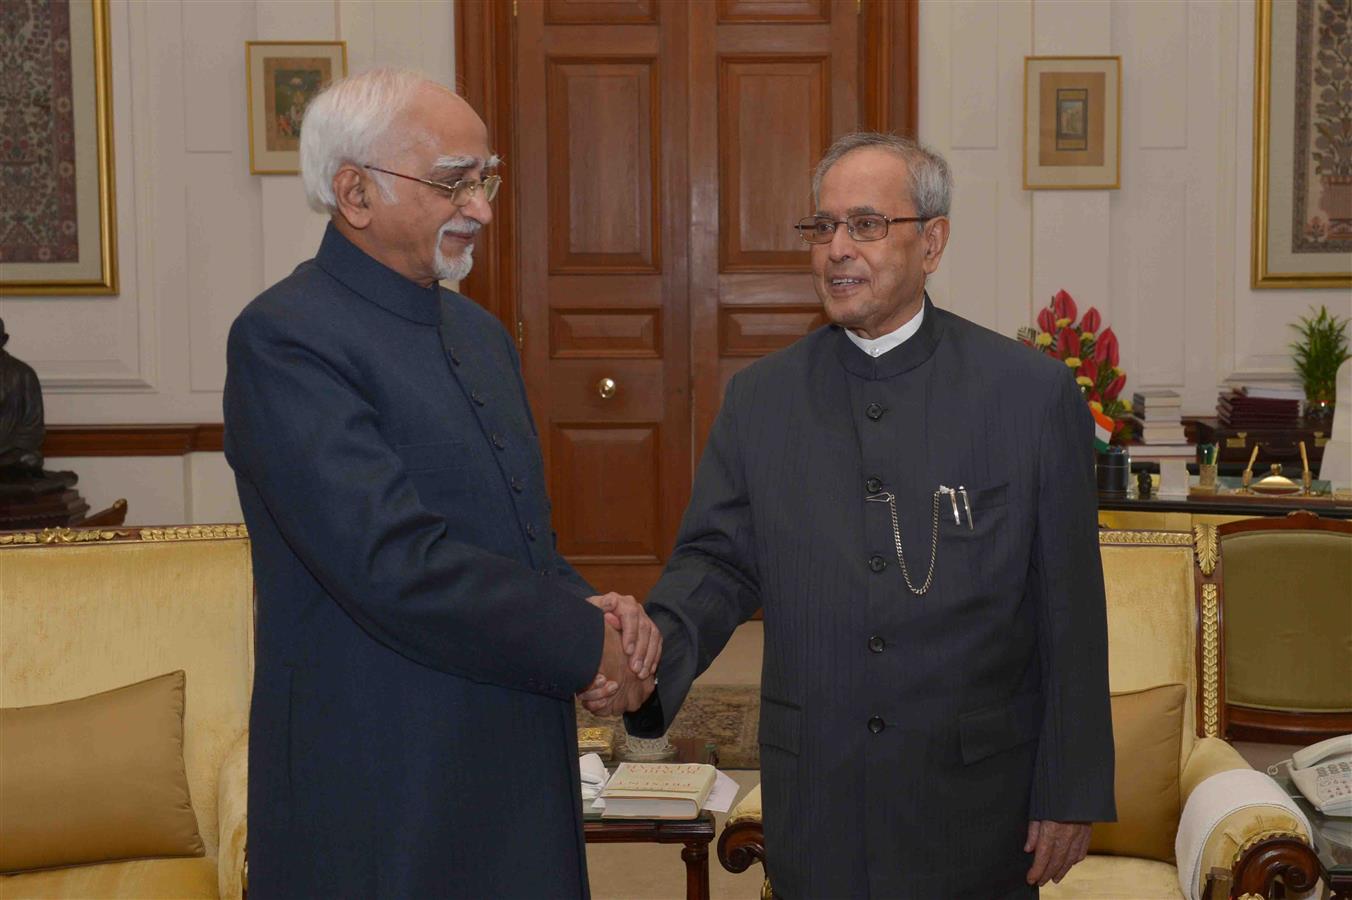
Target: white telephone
x=1323, y=772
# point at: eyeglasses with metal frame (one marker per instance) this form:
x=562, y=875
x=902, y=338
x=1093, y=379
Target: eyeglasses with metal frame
x=461, y=192
x=861, y=226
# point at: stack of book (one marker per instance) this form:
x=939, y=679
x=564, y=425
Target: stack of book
x=1158, y=422
x=1260, y=407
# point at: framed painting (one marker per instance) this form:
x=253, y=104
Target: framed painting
x=1302, y=146
x=1072, y=122
x=58, y=222
x=283, y=77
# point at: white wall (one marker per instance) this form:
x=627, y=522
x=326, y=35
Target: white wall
x=1166, y=257
x=198, y=236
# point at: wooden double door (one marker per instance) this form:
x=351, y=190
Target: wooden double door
x=657, y=154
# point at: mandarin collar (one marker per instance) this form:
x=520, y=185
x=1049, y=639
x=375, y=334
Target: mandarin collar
x=914, y=351
x=376, y=281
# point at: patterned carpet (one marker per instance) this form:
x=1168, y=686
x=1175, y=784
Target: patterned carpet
x=725, y=714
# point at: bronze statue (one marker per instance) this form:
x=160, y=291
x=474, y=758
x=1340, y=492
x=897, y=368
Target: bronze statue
x=21, y=427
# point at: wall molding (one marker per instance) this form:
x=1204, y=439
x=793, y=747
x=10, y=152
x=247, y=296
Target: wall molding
x=133, y=440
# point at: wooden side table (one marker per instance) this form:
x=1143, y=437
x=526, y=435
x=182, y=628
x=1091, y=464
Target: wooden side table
x=694, y=834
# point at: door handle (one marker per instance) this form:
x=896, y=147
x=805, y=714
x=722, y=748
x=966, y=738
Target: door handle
x=607, y=387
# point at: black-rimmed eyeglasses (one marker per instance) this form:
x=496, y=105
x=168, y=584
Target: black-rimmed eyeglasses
x=861, y=227
x=460, y=192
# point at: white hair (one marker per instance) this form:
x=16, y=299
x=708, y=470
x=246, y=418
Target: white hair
x=930, y=179
x=347, y=123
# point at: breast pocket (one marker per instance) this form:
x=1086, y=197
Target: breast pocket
x=430, y=456
x=975, y=546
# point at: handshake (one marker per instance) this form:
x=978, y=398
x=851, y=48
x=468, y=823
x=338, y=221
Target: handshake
x=629, y=657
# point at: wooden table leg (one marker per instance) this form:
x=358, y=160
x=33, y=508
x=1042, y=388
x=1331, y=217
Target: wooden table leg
x=696, y=856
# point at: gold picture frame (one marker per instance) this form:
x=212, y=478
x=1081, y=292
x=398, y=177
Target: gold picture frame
x=283, y=76
x=1072, y=123
x=70, y=246
x=1293, y=243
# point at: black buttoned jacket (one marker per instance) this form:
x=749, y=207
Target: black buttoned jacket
x=906, y=738
x=419, y=639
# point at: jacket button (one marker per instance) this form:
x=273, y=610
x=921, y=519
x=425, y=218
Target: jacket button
x=517, y=484
x=544, y=573
x=530, y=530
x=498, y=442
x=873, y=485
x=876, y=725
x=874, y=411
x=876, y=644
x=477, y=398
x=877, y=563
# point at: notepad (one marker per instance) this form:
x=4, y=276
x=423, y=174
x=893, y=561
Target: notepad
x=658, y=790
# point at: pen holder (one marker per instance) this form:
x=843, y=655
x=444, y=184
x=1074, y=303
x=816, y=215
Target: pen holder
x=1113, y=472
x=1206, y=481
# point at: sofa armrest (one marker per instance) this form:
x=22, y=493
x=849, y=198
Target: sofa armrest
x=232, y=809
x=1257, y=842
x=743, y=840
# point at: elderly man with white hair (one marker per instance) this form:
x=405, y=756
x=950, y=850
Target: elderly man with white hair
x=419, y=638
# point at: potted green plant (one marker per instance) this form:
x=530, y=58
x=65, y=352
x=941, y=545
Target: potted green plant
x=1322, y=348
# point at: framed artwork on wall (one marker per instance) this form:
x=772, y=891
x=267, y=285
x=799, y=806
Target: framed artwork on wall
x=283, y=77
x=58, y=222
x=1302, y=146
x=1072, y=122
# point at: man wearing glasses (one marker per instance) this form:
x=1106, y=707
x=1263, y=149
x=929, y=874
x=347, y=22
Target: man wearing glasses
x=910, y=499
x=419, y=640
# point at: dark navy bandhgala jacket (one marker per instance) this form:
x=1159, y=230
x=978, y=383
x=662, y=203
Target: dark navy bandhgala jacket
x=419, y=638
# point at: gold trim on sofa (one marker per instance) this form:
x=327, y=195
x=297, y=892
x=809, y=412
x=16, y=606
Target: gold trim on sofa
x=86, y=535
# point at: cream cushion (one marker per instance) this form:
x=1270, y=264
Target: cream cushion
x=1147, y=729
x=184, y=878
x=1116, y=878
x=96, y=779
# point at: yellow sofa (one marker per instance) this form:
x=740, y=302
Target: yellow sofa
x=1163, y=628
x=88, y=610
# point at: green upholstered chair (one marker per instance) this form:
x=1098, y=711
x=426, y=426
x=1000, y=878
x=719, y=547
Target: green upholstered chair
x=1286, y=592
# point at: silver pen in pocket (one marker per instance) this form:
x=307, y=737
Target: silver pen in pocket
x=953, y=498
x=967, y=504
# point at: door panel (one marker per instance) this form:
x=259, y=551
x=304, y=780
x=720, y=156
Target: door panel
x=604, y=141
x=774, y=124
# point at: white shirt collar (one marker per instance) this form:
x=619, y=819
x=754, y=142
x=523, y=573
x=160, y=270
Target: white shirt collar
x=876, y=347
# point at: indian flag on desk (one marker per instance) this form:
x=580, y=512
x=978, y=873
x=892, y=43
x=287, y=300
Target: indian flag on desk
x=1103, y=429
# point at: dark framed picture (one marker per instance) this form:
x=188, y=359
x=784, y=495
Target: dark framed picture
x=1072, y=122
x=1302, y=146
x=283, y=77
x=58, y=212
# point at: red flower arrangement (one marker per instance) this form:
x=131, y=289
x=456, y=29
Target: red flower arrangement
x=1092, y=354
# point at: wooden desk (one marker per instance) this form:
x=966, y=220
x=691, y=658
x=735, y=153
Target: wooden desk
x=1182, y=513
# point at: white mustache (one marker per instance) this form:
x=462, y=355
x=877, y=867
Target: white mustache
x=469, y=229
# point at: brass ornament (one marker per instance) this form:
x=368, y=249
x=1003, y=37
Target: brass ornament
x=1166, y=538
x=59, y=536
x=1204, y=537
x=194, y=533
x=1210, y=660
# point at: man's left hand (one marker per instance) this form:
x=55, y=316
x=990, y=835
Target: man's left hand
x=1056, y=846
